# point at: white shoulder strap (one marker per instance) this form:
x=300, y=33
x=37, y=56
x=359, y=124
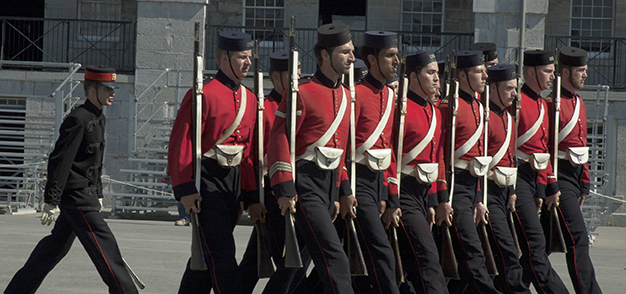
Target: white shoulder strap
x=309, y=154
x=417, y=150
x=496, y=158
x=379, y=129
x=533, y=130
x=572, y=122
x=473, y=139
x=238, y=118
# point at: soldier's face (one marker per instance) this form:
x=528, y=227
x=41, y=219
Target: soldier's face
x=342, y=57
x=105, y=95
x=240, y=61
x=476, y=78
x=579, y=74
x=491, y=63
x=545, y=76
x=504, y=94
x=388, y=62
x=429, y=79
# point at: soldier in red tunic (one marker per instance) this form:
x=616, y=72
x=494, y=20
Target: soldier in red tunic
x=227, y=171
x=489, y=51
x=423, y=188
x=322, y=126
x=573, y=170
x=374, y=128
x=502, y=177
x=535, y=180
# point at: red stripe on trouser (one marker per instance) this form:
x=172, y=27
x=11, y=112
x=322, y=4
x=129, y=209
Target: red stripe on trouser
x=456, y=230
x=530, y=260
x=419, y=266
x=370, y=255
x=573, y=248
x=501, y=255
x=320, y=248
x=217, y=287
x=101, y=252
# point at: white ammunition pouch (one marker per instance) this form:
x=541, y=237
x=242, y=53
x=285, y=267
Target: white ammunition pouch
x=539, y=161
x=479, y=165
x=226, y=155
x=504, y=176
x=576, y=155
x=378, y=159
x=327, y=158
x=426, y=173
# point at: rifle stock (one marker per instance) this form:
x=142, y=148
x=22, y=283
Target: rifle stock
x=448, y=259
x=514, y=234
x=392, y=232
x=197, y=262
x=355, y=255
x=557, y=243
x=291, y=253
x=490, y=262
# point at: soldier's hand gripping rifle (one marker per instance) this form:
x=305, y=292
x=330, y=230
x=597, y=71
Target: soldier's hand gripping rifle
x=403, y=84
x=448, y=259
x=556, y=242
x=355, y=255
x=490, y=263
x=292, y=249
x=265, y=269
x=197, y=261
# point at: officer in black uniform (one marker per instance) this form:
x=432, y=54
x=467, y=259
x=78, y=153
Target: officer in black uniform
x=74, y=184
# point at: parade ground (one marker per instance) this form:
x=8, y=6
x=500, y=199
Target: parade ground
x=158, y=251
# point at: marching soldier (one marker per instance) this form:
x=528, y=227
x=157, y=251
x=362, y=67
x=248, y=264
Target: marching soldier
x=284, y=280
x=374, y=128
x=74, y=185
x=322, y=126
x=470, y=163
x=489, y=51
x=423, y=190
x=573, y=170
x=535, y=181
x=502, y=176
x=227, y=171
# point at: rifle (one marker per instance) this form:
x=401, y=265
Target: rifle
x=403, y=85
x=355, y=255
x=517, y=104
x=490, y=263
x=265, y=269
x=448, y=259
x=133, y=275
x=291, y=252
x=197, y=261
x=557, y=243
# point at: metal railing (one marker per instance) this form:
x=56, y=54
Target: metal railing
x=275, y=39
x=108, y=43
x=606, y=56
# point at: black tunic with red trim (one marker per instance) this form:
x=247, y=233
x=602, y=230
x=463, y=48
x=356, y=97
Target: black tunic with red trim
x=318, y=103
x=538, y=143
x=222, y=100
x=372, y=98
x=417, y=122
x=578, y=136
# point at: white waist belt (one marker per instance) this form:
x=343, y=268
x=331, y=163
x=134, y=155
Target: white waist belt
x=563, y=155
x=462, y=164
x=210, y=154
x=522, y=156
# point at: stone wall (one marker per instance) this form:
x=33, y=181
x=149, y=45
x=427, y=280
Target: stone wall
x=383, y=15
x=557, y=22
x=458, y=16
x=68, y=9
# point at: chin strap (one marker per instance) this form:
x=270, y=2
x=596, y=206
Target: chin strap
x=231, y=65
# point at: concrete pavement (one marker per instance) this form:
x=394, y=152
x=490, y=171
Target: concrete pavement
x=157, y=251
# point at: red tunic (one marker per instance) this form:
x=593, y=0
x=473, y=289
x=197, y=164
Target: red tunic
x=417, y=122
x=318, y=103
x=219, y=108
x=498, y=124
x=269, y=116
x=467, y=121
x=529, y=113
x=578, y=136
x=372, y=98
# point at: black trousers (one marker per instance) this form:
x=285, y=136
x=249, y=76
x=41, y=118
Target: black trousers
x=579, y=264
x=317, y=191
x=534, y=260
x=420, y=256
x=377, y=252
x=97, y=239
x=220, y=190
x=467, y=246
x=284, y=280
x=505, y=253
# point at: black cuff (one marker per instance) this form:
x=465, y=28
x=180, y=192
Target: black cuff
x=443, y=196
x=184, y=190
x=249, y=198
x=344, y=188
x=541, y=191
x=510, y=191
x=393, y=201
x=584, y=188
x=286, y=188
x=552, y=189
x=431, y=200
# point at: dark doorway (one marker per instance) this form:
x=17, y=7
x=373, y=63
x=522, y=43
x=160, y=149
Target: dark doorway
x=349, y=8
x=19, y=32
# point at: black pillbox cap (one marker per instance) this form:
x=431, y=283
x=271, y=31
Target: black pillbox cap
x=333, y=35
x=500, y=73
x=380, y=40
x=360, y=70
x=234, y=41
x=572, y=56
x=469, y=58
x=488, y=49
x=538, y=57
x=418, y=59
x=279, y=61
